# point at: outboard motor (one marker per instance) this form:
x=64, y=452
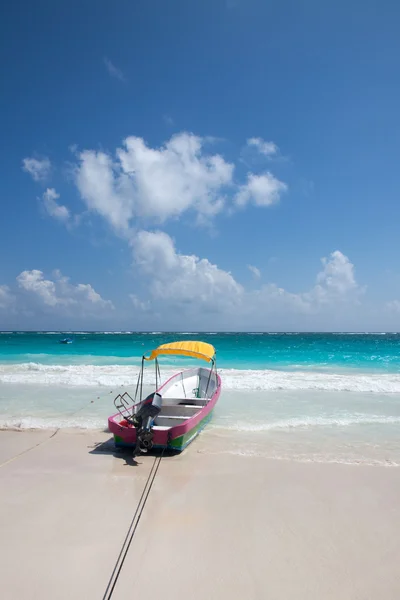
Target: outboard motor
x=143, y=422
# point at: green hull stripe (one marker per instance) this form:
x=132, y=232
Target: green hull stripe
x=178, y=443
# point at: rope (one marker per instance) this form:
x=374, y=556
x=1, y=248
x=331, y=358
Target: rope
x=7, y=462
x=57, y=429
x=102, y=397
x=132, y=528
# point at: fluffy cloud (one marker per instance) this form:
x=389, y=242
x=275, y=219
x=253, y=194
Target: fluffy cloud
x=183, y=290
x=335, y=284
x=393, y=306
x=261, y=190
x=153, y=183
x=195, y=286
x=33, y=281
x=109, y=197
x=114, y=71
x=138, y=185
x=263, y=147
x=139, y=304
x=51, y=206
x=157, y=184
x=256, y=272
x=183, y=280
x=6, y=298
x=61, y=293
x=337, y=279
x=38, y=169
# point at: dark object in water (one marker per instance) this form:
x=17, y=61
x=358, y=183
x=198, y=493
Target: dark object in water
x=66, y=341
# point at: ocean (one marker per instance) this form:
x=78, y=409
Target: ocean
x=331, y=397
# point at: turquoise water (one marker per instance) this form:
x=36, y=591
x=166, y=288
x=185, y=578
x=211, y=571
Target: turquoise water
x=363, y=352
x=319, y=397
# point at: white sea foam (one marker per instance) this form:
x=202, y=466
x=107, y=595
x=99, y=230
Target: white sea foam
x=308, y=458
x=70, y=375
x=50, y=332
x=57, y=422
x=381, y=383
x=232, y=379
x=186, y=332
x=310, y=422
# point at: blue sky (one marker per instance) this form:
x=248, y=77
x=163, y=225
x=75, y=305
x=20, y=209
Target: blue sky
x=154, y=151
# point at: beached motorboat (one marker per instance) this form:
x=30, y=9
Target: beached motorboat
x=175, y=413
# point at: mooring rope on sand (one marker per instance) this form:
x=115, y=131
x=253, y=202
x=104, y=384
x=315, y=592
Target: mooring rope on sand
x=7, y=462
x=56, y=429
x=132, y=528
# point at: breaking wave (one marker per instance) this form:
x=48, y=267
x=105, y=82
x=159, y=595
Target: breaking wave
x=15, y=423
x=310, y=422
x=232, y=379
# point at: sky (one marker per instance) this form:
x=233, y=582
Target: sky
x=200, y=165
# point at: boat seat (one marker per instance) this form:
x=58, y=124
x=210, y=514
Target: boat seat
x=195, y=402
x=182, y=410
x=169, y=420
x=172, y=417
x=183, y=401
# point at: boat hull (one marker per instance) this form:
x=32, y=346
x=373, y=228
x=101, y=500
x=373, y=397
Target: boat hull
x=175, y=438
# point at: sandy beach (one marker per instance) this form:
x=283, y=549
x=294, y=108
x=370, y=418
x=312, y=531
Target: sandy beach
x=215, y=525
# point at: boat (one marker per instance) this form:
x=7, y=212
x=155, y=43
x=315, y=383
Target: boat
x=175, y=413
x=66, y=341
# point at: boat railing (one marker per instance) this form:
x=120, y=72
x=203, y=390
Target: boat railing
x=125, y=404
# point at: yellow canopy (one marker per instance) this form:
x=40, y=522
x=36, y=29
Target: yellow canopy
x=195, y=349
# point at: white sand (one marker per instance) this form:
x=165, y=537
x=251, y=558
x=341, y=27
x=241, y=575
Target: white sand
x=215, y=525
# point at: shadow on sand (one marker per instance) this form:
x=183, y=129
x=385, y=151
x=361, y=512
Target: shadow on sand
x=126, y=454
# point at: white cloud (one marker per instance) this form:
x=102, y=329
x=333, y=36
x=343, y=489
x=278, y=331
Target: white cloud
x=171, y=179
x=183, y=279
x=33, y=281
x=151, y=183
x=270, y=299
x=393, y=306
x=61, y=293
x=38, y=169
x=261, y=190
x=6, y=298
x=114, y=71
x=337, y=279
x=256, y=272
x=185, y=291
x=101, y=192
x=51, y=206
x=266, y=148
x=328, y=304
x=335, y=284
x=195, y=287
x=138, y=303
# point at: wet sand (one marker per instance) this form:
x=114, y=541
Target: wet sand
x=214, y=526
